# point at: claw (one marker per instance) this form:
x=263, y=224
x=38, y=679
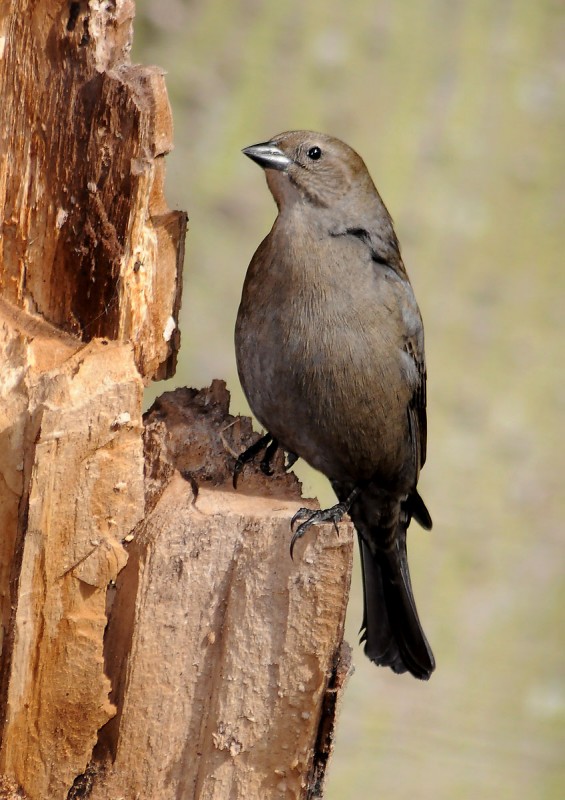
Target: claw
x=293, y=541
x=305, y=514
x=270, y=445
x=334, y=514
x=249, y=455
x=298, y=534
x=302, y=513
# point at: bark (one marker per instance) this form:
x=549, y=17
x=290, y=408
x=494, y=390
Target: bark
x=157, y=639
x=82, y=139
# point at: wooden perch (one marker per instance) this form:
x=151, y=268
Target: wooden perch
x=220, y=647
x=157, y=640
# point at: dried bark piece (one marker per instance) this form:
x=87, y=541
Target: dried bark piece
x=88, y=240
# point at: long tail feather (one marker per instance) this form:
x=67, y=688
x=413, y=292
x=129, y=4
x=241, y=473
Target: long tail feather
x=391, y=628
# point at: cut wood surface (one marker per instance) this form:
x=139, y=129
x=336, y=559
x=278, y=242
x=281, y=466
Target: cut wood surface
x=220, y=647
x=157, y=640
x=230, y=652
x=248, y=642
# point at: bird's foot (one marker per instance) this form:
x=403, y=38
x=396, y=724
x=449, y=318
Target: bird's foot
x=266, y=443
x=334, y=514
x=270, y=445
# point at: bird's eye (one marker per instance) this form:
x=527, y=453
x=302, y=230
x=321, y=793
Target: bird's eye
x=314, y=153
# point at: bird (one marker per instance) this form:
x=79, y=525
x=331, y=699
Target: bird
x=329, y=346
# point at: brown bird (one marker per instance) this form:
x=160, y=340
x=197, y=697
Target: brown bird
x=330, y=354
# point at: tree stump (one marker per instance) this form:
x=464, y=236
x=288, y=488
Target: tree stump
x=157, y=639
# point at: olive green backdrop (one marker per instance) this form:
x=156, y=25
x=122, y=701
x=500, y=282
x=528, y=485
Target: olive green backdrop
x=458, y=109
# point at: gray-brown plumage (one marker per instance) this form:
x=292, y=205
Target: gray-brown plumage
x=330, y=353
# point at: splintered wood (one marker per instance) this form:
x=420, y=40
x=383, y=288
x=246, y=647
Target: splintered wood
x=82, y=135
x=73, y=415
x=226, y=655
x=157, y=641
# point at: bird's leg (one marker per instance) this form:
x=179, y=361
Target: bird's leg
x=334, y=514
x=265, y=463
x=291, y=460
x=248, y=455
x=270, y=445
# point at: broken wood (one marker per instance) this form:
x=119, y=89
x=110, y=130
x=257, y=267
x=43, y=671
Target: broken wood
x=157, y=640
x=66, y=505
x=82, y=139
x=220, y=647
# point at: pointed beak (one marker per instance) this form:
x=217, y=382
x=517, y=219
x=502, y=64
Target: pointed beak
x=267, y=156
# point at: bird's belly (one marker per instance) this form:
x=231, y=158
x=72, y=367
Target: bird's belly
x=322, y=393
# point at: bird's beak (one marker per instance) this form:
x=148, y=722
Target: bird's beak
x=267, y=156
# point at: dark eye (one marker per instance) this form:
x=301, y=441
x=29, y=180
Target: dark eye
x=314, y=153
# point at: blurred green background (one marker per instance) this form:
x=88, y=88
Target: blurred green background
x=458, y=110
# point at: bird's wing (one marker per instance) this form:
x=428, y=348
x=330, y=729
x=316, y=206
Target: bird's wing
x=387, y=255
x=417, y=407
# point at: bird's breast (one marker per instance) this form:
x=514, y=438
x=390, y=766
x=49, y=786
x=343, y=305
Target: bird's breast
x=321, y=365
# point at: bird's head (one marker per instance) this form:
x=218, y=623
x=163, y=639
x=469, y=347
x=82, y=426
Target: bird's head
x=312, y=167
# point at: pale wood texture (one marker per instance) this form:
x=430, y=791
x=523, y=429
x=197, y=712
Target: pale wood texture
x=83, y=226
x=72, y=414
x=220, y=647
x=157, y=640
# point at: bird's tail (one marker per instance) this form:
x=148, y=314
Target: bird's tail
x=391, y=629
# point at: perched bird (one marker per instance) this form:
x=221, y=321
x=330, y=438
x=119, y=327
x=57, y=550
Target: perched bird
x=330, y=354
